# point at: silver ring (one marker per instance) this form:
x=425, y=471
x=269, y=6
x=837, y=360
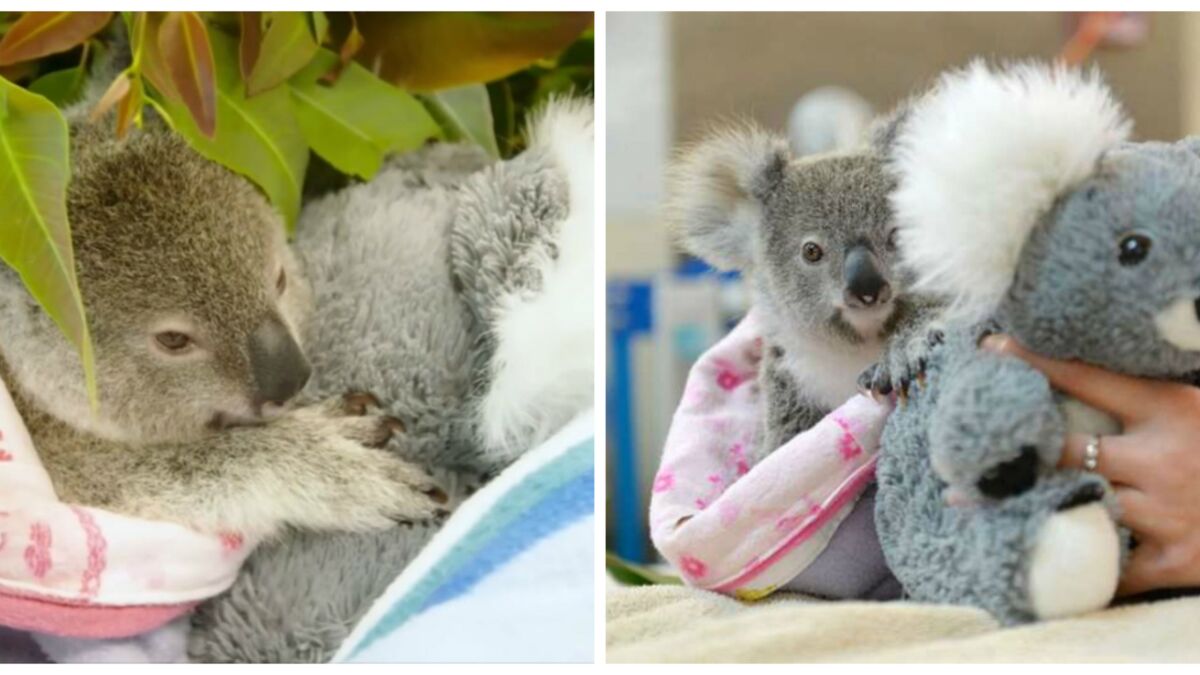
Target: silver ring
x=1091, y=454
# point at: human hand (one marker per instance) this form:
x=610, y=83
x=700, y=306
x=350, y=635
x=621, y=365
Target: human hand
x=1154, y=464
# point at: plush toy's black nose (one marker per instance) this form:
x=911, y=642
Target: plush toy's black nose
x=1012, y=477
x=865, y=286
x=279, y=366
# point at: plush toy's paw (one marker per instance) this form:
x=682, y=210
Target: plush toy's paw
x=996, y=430
x=1075, y=561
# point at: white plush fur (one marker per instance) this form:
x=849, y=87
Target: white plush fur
x=982, y=158
x=1177, y=324
x=543, y=373
x=1075, y=563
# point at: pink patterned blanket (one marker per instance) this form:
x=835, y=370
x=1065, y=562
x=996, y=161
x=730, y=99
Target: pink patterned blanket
x=75, y=571
x=742, y=530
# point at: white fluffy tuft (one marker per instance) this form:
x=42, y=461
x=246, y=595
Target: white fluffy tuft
x=543, y=367
x=981, y=159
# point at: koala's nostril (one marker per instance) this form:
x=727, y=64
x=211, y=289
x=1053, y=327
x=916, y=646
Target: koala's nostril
x=279, y=367
x=1012, y=477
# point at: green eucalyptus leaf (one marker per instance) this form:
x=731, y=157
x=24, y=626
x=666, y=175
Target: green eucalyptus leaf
x=353, y=123
x=62, y=87
x=319, y=26
x=35, y=237
x=257, y=137
x=287, y=46
x=465, y=113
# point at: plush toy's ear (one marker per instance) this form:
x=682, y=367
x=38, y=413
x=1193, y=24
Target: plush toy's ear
x=716, y=191
x=981, y=158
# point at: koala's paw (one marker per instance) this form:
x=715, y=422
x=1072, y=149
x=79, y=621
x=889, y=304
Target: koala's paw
x=1075, y=557
x=369, y=488
x=903, y=364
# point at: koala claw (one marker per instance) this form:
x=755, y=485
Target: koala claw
x=874, y=382
x=372, y=431
x=437, y=494
x=359, y=402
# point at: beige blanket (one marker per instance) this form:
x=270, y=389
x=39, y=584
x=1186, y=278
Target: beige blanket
x=672, y=623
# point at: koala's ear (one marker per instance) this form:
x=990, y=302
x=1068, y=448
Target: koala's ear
x=717, y=188
x=981, y=159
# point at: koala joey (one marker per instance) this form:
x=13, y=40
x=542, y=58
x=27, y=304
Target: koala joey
x=815, y=236
x=194, y=303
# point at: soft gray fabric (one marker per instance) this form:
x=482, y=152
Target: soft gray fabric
x=18, y=647
x=977, y=414
x=852, y=566
x=405, y=271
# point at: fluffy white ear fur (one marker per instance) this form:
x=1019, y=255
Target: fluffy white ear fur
x=543, y=366
x=981, y=158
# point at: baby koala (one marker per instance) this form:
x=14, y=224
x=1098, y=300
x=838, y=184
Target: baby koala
x=194, y=303
x=816, y=239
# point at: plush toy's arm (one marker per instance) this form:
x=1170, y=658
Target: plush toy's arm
x=995, y=426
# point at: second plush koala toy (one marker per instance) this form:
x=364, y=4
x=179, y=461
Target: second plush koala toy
x=1020, y=200
x=457, y=291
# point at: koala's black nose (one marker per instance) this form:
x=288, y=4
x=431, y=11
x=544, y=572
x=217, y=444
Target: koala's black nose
x=279, y=366
x=1012, y=477
x=865, y=285
x=1196, y=304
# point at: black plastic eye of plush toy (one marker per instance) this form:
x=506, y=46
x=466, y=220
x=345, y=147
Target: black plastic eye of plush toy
x=1134, y=249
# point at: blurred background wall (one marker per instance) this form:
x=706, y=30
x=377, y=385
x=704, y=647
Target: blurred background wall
x=669, y=75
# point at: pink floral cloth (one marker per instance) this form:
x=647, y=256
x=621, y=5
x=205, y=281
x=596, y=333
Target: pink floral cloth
x=82, y=572
x=742, y=530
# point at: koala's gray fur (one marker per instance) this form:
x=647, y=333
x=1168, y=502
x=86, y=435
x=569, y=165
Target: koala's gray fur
x=165, y=240
x=741, y=201
x=407, y=271
x=990, y=428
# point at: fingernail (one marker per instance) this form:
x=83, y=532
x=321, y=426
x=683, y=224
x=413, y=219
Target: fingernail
x=994, y=343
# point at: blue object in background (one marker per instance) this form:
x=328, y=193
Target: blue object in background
x=630, y=314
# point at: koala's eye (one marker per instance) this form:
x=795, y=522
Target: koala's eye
x=812, y=252
x=1133, y=249
x=281, y=282
x=891, y=240
x=173, y=341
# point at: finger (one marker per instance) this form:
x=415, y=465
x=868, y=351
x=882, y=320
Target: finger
x=1140, y=513
x=1117, y=461
x=1129, y=399
x=1143, y=571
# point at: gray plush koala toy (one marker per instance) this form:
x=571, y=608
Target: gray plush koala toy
x=454, y=292
x=1020, y=200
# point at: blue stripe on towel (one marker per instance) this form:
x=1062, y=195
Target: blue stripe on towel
x=545, y=501
x=558, y=509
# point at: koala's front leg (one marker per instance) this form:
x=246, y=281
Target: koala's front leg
x=907, y=352
x=785, y=411
x=996, y=427
x=317, y=468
